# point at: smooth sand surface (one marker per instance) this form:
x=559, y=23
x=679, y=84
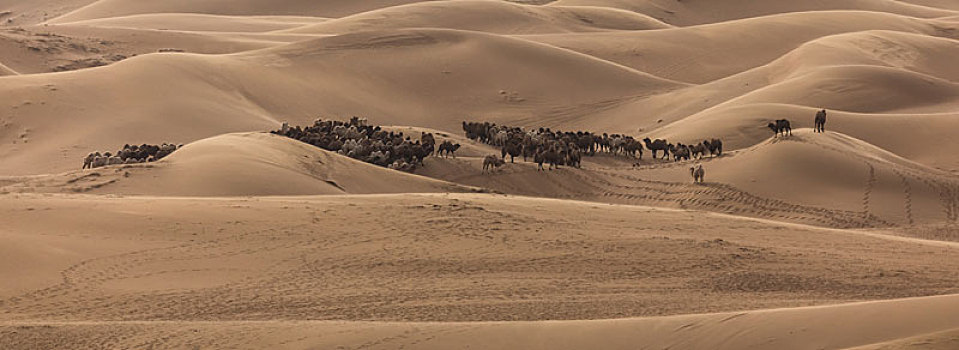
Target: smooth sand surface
x=247, y=240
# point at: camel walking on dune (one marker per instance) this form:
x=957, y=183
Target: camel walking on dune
x=821, y=121
x=781, y=126
x=698, y=174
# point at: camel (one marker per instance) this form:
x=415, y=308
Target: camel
x=633, y=147
x=697, y=173
x=715, y=147
x=88, y=160
x=679, y=151
x=554, y=157
x=698, y=151
x=491, y=162
x=429, y=143
x=448, y=149
x=586, y=144
x=574, y=158
x=513, y=149
x=550, y=156
x=656, y=146
x=99, y=161
x=419, y=152
x=780, y=126
x=820, y=121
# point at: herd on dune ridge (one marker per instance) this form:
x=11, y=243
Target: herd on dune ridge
x=549, y=149
x=557, y=148
x=130, y=154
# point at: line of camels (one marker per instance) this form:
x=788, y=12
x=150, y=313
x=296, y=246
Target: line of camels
x=549, y=149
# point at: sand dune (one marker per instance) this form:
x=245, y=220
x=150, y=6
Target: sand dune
x=801, y=174
x=945, y=4
x=252, y=164
x=425, y=257
x=843, y=66
x=475, y=15
x=692, y=13
x=705, y=53
x=195, y=260
x=209, y=95
x=29, y=12
x=332, y=8
x=860, y=89
x=844, y=73
x=806, y=169
x=199, y=22
x=74, y=47
x=846, y=326
x=746, y=125
x=934, y=341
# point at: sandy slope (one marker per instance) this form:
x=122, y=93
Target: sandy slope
x=72, y=47
x=329, y=8
x=844, y=326
x=415, y=77
x=450, y=258
x=863, y=71
x=700, y=12
x=944, y=4
x=705, y=53
x=199, y=22
x=476, y=15
x=440, y=257
x=928, y=143
x=830, y=180
x=28, y=12
x=251, y=164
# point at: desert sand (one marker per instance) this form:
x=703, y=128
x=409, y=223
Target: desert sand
x=244, y=239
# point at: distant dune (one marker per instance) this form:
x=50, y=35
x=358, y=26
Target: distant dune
x=476, y=15
x=714, y=51
x=200, y=22
x=701, y=12
x=415, y=77
x=333, y=8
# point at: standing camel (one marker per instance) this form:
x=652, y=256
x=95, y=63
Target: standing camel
x=821, y=121
x=697, y=173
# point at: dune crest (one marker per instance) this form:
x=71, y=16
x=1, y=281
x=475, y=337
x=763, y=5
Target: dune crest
x=694, y=13
x=476, y=14
x=246, y=164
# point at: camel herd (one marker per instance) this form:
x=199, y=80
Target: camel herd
x=129, y=154
x=547, y=148
x=371, y=144
x=556, y=148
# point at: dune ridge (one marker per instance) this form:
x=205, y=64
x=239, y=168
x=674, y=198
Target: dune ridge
x=510, y=18
x=201, y=22
x=693, y=13
x=243, y=164
x=334, y=8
